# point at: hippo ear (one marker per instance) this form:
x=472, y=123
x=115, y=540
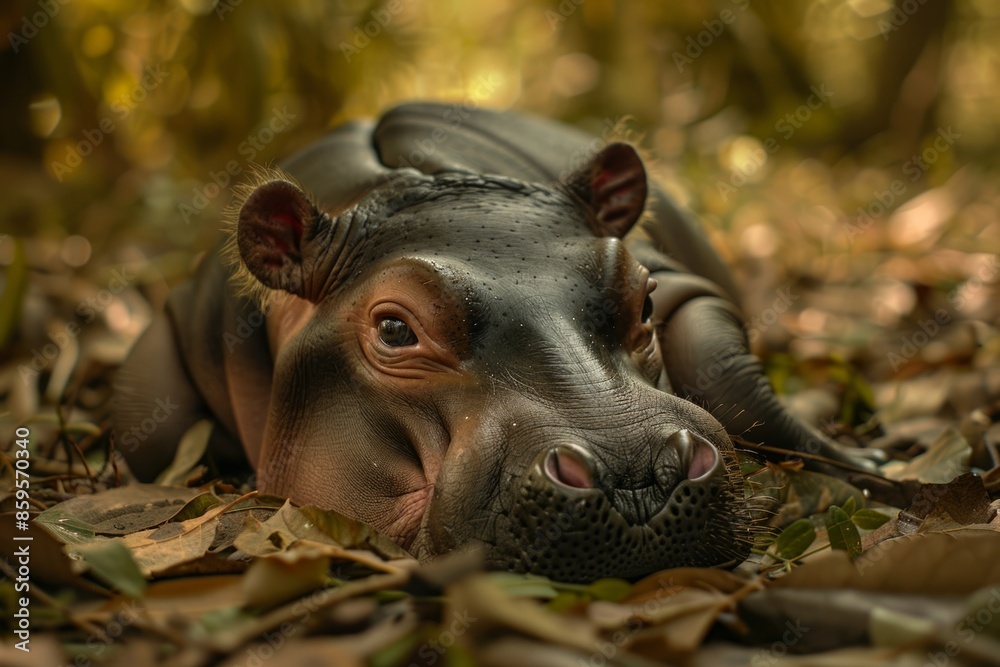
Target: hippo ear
x=275, y=234
x=614, y=186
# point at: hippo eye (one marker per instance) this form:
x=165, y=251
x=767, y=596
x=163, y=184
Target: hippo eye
x=647, y=309
x=395, y=332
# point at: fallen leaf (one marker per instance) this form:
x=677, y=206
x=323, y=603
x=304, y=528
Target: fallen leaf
x=169, y=545
x=190, y=450
x=842, y=532
x=111, y=562
x=953, y=563
x=795, y=539
x=947, y=458
x=277, y=578
x=120, y=511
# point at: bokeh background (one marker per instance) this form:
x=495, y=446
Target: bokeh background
x=801, y=133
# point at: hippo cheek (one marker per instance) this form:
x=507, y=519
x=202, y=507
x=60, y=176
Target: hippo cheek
x=569, y=520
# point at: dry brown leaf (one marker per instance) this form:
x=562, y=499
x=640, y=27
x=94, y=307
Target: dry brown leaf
x=277, y=578
x=268, y=537
x=230, y=639
x=946, y=459
x=953, y=563
x=697, y=577
x=679, y=623
x=172, y=544
x=189, y=597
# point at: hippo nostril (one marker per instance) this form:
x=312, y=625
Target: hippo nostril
x=565, y=466
x=700, y=455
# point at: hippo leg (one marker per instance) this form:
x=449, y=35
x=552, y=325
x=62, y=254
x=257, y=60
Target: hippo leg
x=156, y=402
x=708, y=361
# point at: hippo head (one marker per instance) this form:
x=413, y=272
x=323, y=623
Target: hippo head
x=469, y=361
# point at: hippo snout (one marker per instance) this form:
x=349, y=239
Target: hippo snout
x=579, y=516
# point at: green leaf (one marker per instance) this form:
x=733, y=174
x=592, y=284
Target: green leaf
x=225, y=618
x=396, y=653
x=850, y=506
x=197, y=506
x=65, y=527
x=795, y=539
x=866, y=519
x=524, y=585
x=748, y=464
x=458, y=656
x=843, y=534
x=190, y=450
x=347, y=532
x=611, y=590
x=112, y=563
x=564, y=600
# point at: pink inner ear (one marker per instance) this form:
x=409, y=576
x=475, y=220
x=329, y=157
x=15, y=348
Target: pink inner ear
x=287, y=219
x=601, y=180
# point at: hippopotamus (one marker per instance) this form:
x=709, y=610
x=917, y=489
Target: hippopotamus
x=470, y=329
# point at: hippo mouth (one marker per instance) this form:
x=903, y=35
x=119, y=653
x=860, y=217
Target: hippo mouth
x=572, y=523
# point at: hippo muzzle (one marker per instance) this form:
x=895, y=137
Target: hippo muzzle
x=586, y=525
